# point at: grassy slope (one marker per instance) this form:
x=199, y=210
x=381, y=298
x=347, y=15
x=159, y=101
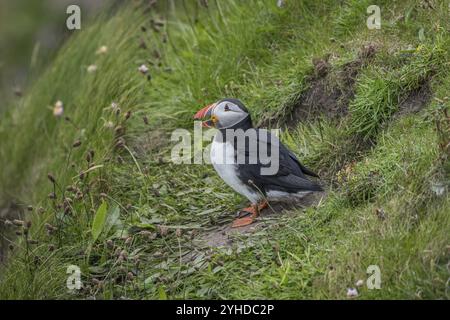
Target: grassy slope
x=373, y=159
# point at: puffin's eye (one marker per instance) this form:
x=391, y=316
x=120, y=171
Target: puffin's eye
x=226, y=108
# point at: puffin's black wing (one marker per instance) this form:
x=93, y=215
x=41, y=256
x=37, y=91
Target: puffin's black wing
x=290, y=176
x=304, y=169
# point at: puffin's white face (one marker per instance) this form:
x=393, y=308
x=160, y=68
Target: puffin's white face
x=226, y=114
x=222, y=115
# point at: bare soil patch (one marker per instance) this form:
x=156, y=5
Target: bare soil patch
x=224, y=236
x=415, y=100
x=330, y=91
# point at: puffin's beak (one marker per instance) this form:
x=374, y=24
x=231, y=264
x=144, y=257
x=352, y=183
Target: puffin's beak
x=205, y=113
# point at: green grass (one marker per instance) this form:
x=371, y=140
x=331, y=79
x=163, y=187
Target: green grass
x=378, y=93
x=380, y=165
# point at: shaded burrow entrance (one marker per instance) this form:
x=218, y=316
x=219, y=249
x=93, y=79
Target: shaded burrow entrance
x=415, y=100
x=328, y=93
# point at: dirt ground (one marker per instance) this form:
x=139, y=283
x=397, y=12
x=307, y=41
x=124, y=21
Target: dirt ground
x=226, y=236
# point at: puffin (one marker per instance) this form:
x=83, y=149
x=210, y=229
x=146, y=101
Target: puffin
x=236, y=155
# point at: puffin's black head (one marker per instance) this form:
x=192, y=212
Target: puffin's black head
x=225, y=114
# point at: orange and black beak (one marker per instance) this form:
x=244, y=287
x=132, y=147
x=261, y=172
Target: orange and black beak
x=206, y=113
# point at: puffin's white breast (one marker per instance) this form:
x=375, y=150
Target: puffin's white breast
x=223, y=160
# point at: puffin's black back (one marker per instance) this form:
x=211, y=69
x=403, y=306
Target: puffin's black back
x=291, y=173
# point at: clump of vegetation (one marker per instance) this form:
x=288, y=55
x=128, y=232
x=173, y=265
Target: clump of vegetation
x=90, y=152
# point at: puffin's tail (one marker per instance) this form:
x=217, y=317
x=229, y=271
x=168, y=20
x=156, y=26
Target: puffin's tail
x=296, y=183
x=307, y=171
x=316, y=187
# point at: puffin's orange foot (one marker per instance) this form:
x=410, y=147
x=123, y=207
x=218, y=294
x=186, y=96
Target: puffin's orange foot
x=252, y=209
x=263, y=205
x=245, y=221
x=246, y=211
x=253, y=212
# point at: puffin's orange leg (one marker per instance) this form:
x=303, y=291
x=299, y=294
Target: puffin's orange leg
x=254, y=210
x=264, y=204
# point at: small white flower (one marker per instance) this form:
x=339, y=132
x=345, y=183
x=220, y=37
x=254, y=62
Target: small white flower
x=143, y=69
x=115, y=108
x=58, y=109
x=102, y=50
x=359, y=283
x=109, y=124
x=92, y=68
x=352, y=292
